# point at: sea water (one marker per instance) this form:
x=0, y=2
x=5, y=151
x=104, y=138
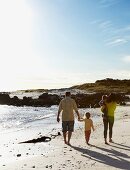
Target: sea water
x=18, y=118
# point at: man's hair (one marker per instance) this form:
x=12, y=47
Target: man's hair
x=87, y=115
x=67, y=93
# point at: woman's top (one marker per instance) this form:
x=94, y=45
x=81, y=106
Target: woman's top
x=111, y=108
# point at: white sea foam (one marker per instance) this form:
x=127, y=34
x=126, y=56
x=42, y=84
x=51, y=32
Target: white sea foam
x=22, y=117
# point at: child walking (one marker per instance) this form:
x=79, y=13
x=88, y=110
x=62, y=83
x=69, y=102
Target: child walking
x=88, y=126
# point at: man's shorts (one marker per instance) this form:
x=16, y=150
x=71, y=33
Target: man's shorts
x=67, y=126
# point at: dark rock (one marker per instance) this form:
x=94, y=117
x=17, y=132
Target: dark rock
x=47, y=100
x=59, y=134
x=125, y=115
x=18, y=155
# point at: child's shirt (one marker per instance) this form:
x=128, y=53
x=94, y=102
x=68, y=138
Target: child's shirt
x=88, y=124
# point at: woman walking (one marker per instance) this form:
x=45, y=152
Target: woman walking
x=110, y=104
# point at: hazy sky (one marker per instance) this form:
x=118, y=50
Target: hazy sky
x=60, y=43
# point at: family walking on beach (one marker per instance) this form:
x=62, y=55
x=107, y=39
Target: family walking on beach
x=68, y=105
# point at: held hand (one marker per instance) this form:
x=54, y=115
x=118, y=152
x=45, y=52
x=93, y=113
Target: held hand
x=58, y=119
x=78, y=118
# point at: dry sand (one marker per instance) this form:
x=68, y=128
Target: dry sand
x=58, y=156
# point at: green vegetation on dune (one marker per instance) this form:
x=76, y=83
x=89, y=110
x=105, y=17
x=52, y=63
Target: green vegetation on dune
x=106, y=85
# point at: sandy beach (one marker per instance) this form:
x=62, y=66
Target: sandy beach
x=61, y=63
x=57, y=156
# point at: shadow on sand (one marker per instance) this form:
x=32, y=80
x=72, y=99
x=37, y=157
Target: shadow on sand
x=111, y=157
x=122, y=146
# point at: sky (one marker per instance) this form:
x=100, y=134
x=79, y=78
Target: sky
x=47, y=44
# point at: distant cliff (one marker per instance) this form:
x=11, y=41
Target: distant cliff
x=106, y=86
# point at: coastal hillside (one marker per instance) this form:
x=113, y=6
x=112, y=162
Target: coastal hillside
x=100, y=86
x=106, y=85
x=85, y=95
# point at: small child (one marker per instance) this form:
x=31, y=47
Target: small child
x=102, y=103
x=88, y=126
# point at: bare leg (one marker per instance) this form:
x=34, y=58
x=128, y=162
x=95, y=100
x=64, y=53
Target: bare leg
x=87, y=136
x=69, y=136
x=105, y=141
x=105, y=122
x=64, y=135
x=111, y=122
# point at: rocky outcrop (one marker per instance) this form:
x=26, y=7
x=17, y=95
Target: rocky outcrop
x=92, y=100
x=82, y=100
x=44, y=100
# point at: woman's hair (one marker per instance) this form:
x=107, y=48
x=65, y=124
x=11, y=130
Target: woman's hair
x=111, y=98
x=87, y=115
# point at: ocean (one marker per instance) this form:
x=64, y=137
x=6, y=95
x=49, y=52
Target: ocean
x=13, y=118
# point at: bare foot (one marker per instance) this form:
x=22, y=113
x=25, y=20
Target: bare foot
x=106, y=143
x=69, y=144
x=110, y=140
x=65, y=142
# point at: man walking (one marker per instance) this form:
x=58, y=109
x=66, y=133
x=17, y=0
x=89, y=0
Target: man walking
x=67, y=106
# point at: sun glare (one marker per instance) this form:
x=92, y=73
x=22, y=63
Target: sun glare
x=16, y=53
